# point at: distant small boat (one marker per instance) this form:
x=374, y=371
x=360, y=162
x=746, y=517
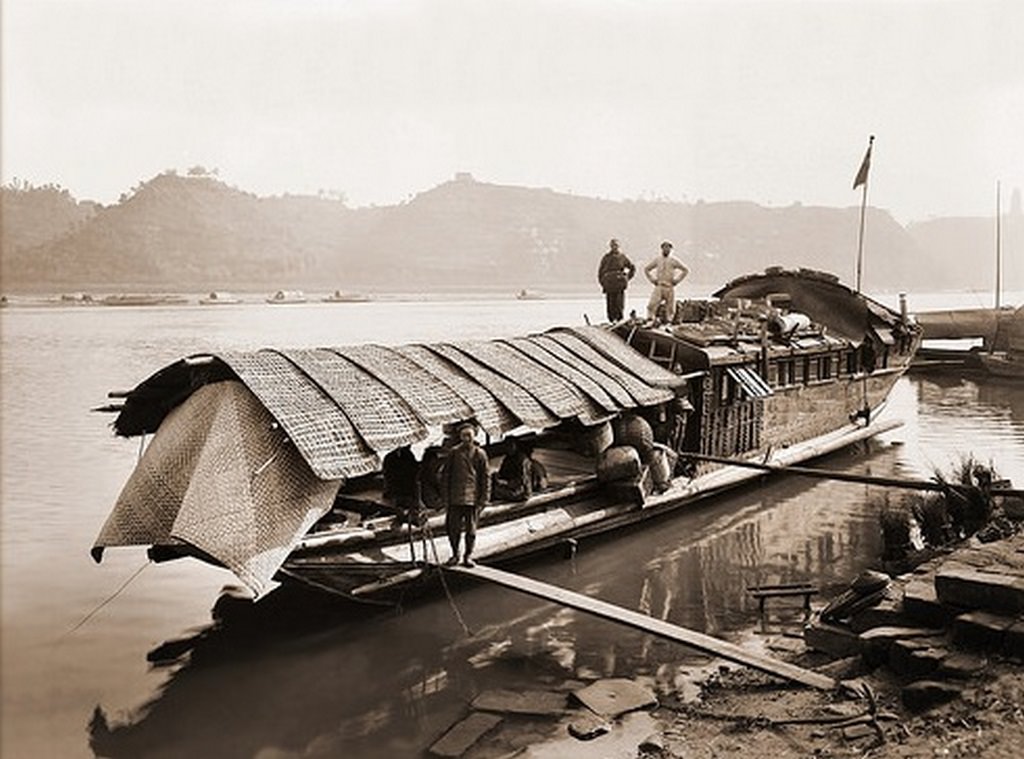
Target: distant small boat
x=530, y=295
x=219, y=298
x=339, y=297
x=77, y=299
x=143, y=300
x=3, y=301
x=287, y=296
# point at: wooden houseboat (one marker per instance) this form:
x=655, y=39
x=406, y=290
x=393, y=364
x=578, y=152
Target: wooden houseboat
x=269, y=462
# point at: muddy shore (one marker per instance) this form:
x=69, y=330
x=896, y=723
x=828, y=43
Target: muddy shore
x=928, y=665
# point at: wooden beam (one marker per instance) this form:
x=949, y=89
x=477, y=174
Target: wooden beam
x=662, y=629
x=864, y=479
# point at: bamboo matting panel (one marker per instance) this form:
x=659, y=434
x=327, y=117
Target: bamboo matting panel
x=643, y=393
x=608, y=383
x=484, y=407
x=516, y=399
x=321, y=432
x=380, y=415
x=615, y=348
x=432, y=400
x=557, y=395
x=581, y=381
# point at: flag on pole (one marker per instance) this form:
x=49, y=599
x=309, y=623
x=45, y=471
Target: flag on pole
x=865, y=165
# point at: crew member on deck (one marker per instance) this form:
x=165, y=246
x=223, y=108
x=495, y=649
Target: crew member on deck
x=467, y=486
x=614, y=274
x=665, y=271
x=519, y=474
x=402, y=483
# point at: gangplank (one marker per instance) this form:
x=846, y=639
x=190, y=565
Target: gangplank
x=692, y=638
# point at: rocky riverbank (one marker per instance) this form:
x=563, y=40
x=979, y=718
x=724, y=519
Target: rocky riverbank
x=929, y=664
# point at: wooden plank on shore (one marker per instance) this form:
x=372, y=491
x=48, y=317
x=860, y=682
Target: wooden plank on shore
x=692, y=638
x=461, y=737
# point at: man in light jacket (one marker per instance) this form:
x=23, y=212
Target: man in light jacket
x=664, y=272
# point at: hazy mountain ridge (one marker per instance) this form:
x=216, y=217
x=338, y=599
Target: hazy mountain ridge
x=195, y=232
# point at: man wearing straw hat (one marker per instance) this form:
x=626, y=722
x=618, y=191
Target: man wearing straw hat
x=467, y=486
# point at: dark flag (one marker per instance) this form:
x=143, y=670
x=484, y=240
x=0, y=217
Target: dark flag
x=865, y=165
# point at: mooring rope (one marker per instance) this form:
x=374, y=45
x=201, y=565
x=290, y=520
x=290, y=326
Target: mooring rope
x=444, y=583
x=115, y=594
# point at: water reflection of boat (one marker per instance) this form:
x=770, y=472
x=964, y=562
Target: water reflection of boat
x=287, y=296
x=342, y=297
x=219, y=298
x=123, y=299
x=779, y=367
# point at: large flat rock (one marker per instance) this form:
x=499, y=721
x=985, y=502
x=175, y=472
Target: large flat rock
x=462, y=735
x=968, y=588
x=521, y=702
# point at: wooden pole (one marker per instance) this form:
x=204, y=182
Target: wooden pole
x=692, y=638
x=824, y=474
x=999, y=251
x=863, y=208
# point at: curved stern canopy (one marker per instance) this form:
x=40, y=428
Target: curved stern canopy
x=847, y=313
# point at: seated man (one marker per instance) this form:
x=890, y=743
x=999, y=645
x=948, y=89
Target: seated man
x=519, y=475
x=402, y=484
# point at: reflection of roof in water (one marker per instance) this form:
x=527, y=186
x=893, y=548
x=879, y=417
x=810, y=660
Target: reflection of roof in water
x=345, y=408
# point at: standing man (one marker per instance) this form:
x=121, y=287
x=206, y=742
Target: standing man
x=664, y=272
x=467, y=487
x=614, y=274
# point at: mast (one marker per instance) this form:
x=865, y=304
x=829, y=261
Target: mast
x=999, y=248
x=862, y=181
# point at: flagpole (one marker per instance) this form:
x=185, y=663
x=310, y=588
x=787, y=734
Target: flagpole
x=863, y=207
x=999, y=252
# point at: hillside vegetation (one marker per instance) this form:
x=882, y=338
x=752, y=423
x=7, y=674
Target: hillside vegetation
x=195, y=232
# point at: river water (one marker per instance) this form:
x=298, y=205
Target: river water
x=298, y=676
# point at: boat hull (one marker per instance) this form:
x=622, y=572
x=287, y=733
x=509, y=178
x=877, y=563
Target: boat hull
x=387, y=568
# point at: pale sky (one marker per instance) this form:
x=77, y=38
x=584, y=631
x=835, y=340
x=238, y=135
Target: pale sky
x=766, y=101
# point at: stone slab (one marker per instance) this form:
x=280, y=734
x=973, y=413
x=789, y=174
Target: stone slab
x=981, y=629
x=835, y=640
x=887, y=612
x=1013, y=642
x=976, y=589
x=521, y=702
x=462, y=735
x=616, y=696
x=962, y=665
x=921, y=603
x=925, y=694
x=909, y=660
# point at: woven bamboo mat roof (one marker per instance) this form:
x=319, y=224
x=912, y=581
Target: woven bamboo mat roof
x=530, y=346
x=642, y=393
x=608, y=383
x=554, y=393
x=516, y=399
x=488, y=412
x=344, y=408
x=432, y=400
x=382, y=417
x=317, y=426
x=614, y=348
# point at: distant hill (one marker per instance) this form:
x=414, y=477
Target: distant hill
x=196, y=233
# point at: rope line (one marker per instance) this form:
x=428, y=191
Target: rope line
x=444, y=583
x=116, y=593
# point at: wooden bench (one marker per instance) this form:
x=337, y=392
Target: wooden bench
x=789, y=590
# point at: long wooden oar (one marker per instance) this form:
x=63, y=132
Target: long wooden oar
x=866, y=479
